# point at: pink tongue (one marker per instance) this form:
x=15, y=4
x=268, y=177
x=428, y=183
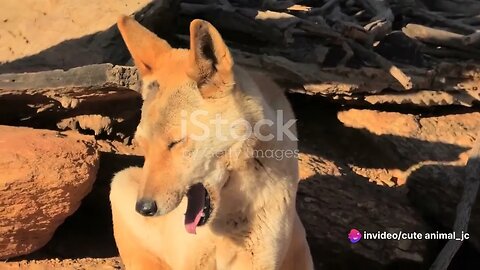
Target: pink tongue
x=196, y=202
x=192, y=226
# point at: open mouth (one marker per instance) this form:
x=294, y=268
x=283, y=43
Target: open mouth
x=198, y=208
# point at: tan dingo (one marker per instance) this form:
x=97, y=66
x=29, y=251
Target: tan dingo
x=218, y=187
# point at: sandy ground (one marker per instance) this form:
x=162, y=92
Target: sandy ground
x=30, y=26
x=77, y=264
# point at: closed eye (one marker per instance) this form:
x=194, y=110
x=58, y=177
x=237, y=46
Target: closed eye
x=172, y=144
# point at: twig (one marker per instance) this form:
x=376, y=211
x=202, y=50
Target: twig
x=464, y=208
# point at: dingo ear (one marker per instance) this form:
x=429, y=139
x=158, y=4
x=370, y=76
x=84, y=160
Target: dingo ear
x=144, y=46
x=211, y=61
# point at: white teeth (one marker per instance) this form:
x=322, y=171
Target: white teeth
x=203, y=214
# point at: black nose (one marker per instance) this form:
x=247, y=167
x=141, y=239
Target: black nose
x=146, y=207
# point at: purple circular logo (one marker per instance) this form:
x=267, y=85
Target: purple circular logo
x=354, y=236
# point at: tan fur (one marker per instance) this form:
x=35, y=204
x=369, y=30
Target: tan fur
x=254, y=224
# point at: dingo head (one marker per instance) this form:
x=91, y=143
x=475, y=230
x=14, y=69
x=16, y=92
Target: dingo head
x=177, y=85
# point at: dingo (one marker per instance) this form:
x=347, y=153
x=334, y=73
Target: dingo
x=207, y=202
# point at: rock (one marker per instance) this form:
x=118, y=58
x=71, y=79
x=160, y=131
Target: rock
x=96, y=123
x=44, y=175
x=89, y=76
x=97, y=98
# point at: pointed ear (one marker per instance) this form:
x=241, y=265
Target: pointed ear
x=210, y=60
x=144, y=46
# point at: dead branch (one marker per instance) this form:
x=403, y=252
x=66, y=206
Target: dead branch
x=443, y=52
x=319, y=30
x=282, y=27
x=468, y=7
x=313, y=80
x=381, y=23
x=472, y=40
x=348, y=54
x=474, y=20
x=226, y=3
x=464, y=208
x=353, y=31
x=325, y=8
x=436, y=19
x=388, y=66
x=437, y=37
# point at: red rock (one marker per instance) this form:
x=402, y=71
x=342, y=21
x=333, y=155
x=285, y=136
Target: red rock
x=44, y=175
